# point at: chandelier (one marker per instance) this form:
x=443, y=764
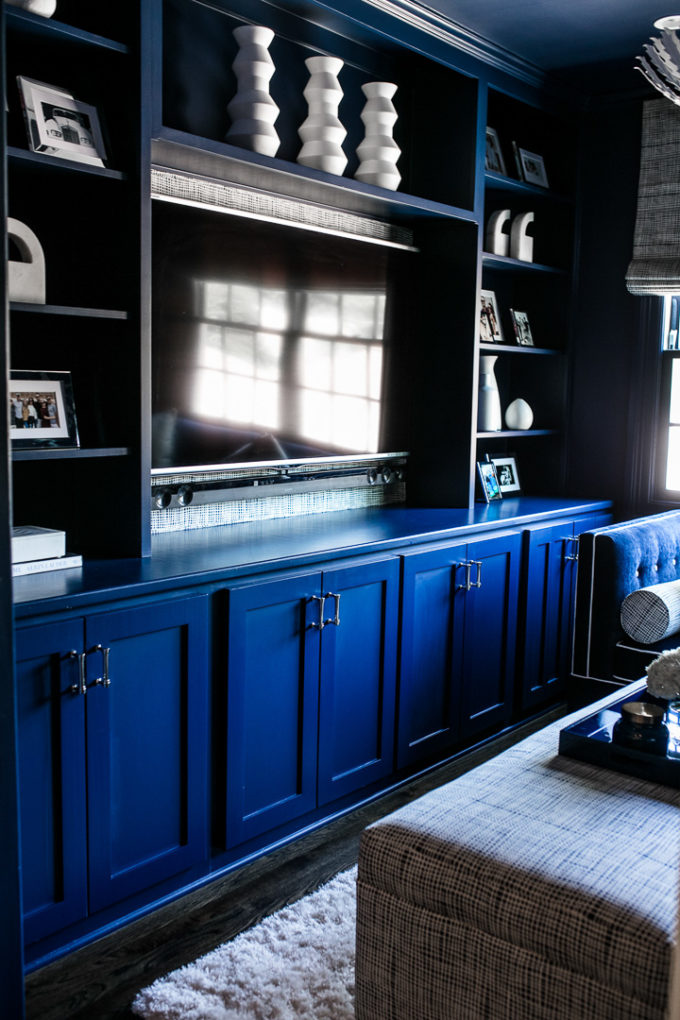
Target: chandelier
x=660, y=62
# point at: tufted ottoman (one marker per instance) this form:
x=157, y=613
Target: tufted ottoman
x=532, y=887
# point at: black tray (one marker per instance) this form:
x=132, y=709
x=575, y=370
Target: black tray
x=590, y=740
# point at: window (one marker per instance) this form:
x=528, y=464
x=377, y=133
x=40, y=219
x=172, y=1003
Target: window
x=668, y=473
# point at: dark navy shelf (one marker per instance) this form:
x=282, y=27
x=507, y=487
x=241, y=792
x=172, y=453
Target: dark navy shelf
x=88, y=313
x=35, y=24
x=40, y=159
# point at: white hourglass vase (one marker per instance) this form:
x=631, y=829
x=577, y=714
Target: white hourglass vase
x=253, y=112
x=378, y=152
x=489, y=404
x=45, y=8
x=321, y=132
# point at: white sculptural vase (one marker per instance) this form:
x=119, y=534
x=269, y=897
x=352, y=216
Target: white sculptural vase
x=518, y=415
x=253, y=112
x=378, y=152
x=25, y=276
x=45, y=8
x=321, y=132
x=489, y=402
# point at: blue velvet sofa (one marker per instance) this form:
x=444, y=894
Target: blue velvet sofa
x=615, y=561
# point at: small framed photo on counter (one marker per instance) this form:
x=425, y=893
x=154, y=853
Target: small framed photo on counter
x=507, y=475
x=489, y=481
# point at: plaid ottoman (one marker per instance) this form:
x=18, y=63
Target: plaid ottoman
x=532, y=888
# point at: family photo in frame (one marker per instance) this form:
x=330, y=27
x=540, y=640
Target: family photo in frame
x=490, y=329
x=42, y=410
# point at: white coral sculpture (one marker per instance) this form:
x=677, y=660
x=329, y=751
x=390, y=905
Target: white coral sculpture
x=663, y=675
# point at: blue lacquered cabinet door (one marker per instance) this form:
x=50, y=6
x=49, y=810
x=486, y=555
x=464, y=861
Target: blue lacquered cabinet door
x=490, y=640
x=272, y=703
x=433, y=608
x=147, y=725
x=358, y=676
x=549, y=569
x=51, y=709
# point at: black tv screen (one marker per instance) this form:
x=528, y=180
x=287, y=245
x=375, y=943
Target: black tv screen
x=268, y=340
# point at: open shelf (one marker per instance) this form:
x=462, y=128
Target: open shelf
x=58, y=163
x=87, y=313
x=503, y=262
x=207, y=159
x=516, y=433
x=503, y=348
x=71, y=454
x=515, y=186
x=48, y=28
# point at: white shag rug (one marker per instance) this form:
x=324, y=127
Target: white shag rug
x=297, y=964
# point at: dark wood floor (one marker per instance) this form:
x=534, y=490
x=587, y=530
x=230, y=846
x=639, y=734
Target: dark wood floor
x=100, y=981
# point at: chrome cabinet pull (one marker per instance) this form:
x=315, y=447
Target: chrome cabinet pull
x=321, y=599
x=335, y=620
x=81, y=686
x=104, y=680
x=572, y=556
x=477, y=583
x=468, y=577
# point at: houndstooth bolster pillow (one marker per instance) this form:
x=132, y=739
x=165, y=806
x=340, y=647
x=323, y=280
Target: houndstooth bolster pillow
x=650, y=614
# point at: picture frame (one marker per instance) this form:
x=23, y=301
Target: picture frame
x=490, y=329
x=42, y=411
x=60, y=125
x=533, y=168
x=507, y=474
x=520, y=324
x=494, y=161
x=489, y=481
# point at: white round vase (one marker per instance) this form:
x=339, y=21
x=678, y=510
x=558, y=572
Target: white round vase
x=489, y=403
x=378, y=152
x=321, y=132
x=253, y=112
x=46, y=8
x=518, y=415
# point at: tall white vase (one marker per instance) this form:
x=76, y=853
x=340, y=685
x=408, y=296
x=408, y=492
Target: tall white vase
x=321, y=132
x=489, y=403
x=253, y=112
x=378, y=152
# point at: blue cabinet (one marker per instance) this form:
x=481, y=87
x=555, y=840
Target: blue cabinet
x=113, y=770
x=459, y=613
x=311, y=675
x=550, y=556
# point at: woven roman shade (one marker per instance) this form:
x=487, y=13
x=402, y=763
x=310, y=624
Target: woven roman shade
x=655, y=266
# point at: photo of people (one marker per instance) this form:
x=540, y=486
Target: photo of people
x=489, y=322
x=41, y=409
x=520, y=321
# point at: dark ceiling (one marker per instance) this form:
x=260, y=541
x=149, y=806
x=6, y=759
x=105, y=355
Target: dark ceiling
x=560, y=34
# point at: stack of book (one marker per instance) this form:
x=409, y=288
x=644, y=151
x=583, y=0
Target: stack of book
x=35, y=550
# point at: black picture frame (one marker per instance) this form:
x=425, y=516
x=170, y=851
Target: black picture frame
x=520, y=324
x=488, y=478
x=53, y=425
x=494, y=161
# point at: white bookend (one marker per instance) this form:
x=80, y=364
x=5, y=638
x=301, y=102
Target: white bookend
x=33, y=543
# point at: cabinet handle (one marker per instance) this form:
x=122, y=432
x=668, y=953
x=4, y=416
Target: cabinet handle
x=468, y=580
x=104, y=680
x=477, y=583
x=321, y=599
x=572, y=556
x=81, y=686
x=335, y=621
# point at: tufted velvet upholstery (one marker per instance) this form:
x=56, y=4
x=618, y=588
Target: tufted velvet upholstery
x=613, y=562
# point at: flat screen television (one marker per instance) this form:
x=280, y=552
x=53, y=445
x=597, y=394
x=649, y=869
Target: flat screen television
x=270, y=342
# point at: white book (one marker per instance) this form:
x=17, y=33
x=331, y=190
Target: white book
x=40, y=566
x=32, y=543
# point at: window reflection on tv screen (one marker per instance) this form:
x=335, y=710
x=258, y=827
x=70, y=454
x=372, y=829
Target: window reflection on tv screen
x=267, y=340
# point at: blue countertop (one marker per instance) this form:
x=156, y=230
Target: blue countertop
x=183, y=559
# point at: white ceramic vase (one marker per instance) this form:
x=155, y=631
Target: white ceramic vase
x=253, y=112
x=518, y=414
x=321, y=132
x=46, y=8
x=489, y=403
x=378, y=152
